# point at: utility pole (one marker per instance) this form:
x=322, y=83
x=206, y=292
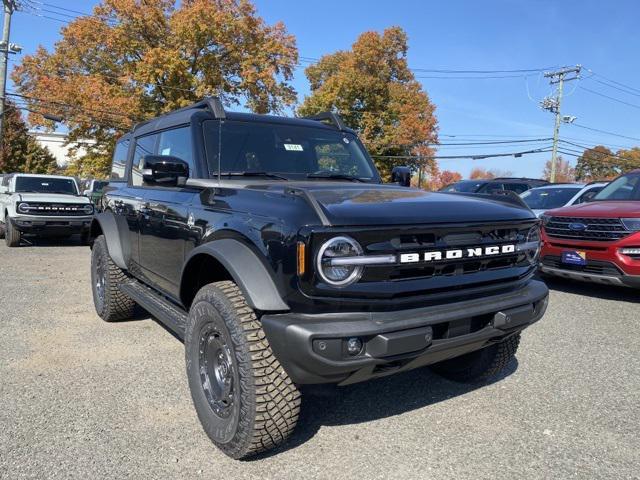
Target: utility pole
x=5, y=49
x=553, y=104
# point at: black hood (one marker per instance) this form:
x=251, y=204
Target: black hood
x=345, y=204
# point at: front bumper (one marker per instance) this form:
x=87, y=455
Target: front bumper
x=605, y=264
x=312, y=347
x=52, y=225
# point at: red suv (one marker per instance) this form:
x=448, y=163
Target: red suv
x=598, y=241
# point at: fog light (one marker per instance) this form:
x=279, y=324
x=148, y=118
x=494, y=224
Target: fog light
x=354, y=346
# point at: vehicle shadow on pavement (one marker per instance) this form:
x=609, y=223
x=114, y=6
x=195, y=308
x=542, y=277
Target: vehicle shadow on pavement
x=330, y=405
x=72, y=241
x=604, y=292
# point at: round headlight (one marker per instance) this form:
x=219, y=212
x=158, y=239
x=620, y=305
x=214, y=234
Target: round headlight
x=23, y=208
x=335, y=272
x=533, y=244
x=88, y=209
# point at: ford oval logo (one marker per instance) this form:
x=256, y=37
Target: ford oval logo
x=578, y=227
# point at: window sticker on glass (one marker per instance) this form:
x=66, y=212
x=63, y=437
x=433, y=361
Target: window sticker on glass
x=293, y=147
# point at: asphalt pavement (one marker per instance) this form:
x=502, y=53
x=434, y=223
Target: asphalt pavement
x=81, y=398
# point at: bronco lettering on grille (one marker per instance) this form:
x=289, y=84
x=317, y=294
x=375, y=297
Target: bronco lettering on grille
x=474, y=252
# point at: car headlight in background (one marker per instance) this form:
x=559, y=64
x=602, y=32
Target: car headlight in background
x=632, y=224
x=88, y=209
x=329, y=265
x=23, y=207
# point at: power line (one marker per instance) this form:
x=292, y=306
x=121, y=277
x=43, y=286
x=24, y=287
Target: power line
x=605, y=132
x=615, y=82
x=614, y=87
x=472, y=156
x=610, y=98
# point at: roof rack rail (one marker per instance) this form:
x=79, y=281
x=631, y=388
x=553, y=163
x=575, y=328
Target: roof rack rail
x=211, y=103
x=334, y=118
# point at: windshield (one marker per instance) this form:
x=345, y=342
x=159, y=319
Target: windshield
x=286, y=151
x=626, y=187
x=548, y=198
x=98, y=185
x=46, y=185
x=467, y=186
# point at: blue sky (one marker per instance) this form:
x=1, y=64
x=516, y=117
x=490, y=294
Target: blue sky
x=472, y=35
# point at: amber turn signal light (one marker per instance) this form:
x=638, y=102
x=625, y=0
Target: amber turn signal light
x=301, y=258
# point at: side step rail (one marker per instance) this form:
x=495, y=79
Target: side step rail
x=172, y=316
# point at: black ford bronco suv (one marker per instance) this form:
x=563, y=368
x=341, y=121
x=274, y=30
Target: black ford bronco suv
x=271, y=247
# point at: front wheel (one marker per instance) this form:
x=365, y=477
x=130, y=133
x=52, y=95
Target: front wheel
x=12, y=235
x=480, y=365
x=246, y=402
x=111, y=303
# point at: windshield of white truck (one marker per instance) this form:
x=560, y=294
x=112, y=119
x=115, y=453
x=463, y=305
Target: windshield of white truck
x=46, y=185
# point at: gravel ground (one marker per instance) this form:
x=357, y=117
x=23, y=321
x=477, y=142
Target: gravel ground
x=80, y=398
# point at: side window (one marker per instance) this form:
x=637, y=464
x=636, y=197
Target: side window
x=119, y=162
x=177, y=143
x=144, y=146
x=516, y=187
x=492, y=187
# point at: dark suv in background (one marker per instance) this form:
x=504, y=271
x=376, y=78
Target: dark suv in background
x=501, y=184
x=271, y=246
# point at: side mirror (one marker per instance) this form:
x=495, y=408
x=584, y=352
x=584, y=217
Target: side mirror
x=164, y=170
x=401, y=176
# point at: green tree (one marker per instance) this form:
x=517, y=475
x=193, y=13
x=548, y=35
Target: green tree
x=132, y=60
x=372, y=88
x=19, y=151
x=600, y=163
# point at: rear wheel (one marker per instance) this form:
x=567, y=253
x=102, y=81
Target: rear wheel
x=480, y=365
x=12, y=235
x=246, y=402
x=111, y=304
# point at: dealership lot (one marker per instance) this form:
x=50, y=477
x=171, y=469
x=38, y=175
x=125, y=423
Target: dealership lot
x=80, y=398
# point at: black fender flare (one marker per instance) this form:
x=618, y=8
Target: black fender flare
x=247, y=271
x=116, y=232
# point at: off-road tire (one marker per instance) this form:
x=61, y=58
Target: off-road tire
x=481, y=365
x=111, y=305
x=12, y=236
x=266, y=404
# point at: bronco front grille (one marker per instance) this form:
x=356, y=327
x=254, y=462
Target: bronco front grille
x=440, y=239
x=54, y=209
x=577, y=228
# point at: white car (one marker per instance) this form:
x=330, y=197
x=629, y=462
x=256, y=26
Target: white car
x=44, y=205
x=558, y=195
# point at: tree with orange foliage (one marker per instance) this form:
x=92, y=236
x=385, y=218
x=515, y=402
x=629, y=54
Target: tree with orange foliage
x=373, y=89
x=565, y=173
x=133, y=60
x=479, y=173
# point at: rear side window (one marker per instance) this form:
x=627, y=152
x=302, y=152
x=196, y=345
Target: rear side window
x=118, y=166
x=516, y=187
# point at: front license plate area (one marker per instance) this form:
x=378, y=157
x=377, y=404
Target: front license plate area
x=574, y=257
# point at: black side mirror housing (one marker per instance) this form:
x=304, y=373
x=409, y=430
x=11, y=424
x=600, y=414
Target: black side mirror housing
x=164, y=171
x=401, y=176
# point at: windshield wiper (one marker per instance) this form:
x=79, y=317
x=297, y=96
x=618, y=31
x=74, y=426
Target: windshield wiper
x=254, y=174
x=338, y=176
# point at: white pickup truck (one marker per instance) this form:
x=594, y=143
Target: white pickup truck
x=42, y=205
